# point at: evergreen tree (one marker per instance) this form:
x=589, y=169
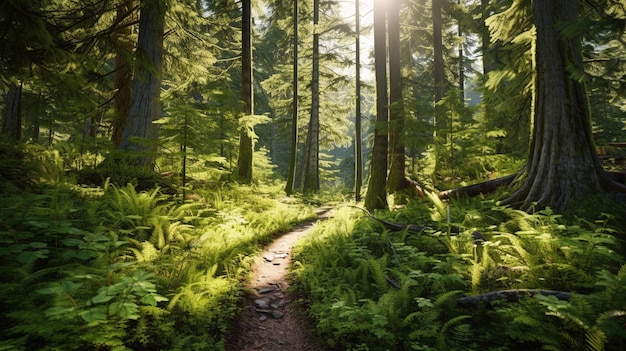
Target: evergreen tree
x=358, y=139
x=376, y=196
x=291, y=176
x=246, y=147
x=139, y=140
x=563, y=167
x=123, y=51
x=310, y=169
x=396, y=180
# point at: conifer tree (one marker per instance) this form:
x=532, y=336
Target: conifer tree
x=123, y=50
x=397, y=174
x=310, y=169
x=291, y=176
x=376, y=196
x=563, y=167
x=358, y=139
x=246, y=146
x=140, y=139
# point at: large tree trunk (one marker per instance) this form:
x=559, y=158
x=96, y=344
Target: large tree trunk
x=123, y=51
x=563, y=167
x=140, y=139
x=376, y=196
x=246, y=146
x=310, y=175
x=291, y=174
x=12, y=125
x=397, y=172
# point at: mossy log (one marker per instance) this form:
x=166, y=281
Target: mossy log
x=513, y=295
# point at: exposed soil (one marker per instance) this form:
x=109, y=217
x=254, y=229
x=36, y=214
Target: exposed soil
x=270, y=320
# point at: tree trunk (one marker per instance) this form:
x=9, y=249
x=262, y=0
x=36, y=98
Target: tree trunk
x=123, y=50
x=140, y=139
x=291, y=175
x=12, y=125
x=376, y=196
x=246, y=145
x=310, y=175
x=461, y=63
x=397, y=172
x=439, y=77
x=358, y=139
x=563, y=167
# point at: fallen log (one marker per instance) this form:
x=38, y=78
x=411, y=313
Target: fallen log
x=480, y=188
x=415, y=228
x=513, y=295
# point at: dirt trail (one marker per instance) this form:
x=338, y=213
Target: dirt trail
x=271, y=321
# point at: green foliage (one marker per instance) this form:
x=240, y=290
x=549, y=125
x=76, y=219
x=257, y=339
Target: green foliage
x=118, y=268
x=367, y=287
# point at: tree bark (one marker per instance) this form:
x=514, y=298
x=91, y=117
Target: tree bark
x=376, y=196
x=310, y=176
x=563, y=167
x=439, y=77
x=397, y=172
x=140, y=139
x=480, y=188
x=246, y=144
x=123, y=51
x=12, y=125
x=358, y=139
x=291, y=174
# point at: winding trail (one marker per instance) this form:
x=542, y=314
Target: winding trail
x=270, y=320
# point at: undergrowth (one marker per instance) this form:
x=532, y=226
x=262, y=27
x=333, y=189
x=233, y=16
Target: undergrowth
x=114, y=268
x=370, y=288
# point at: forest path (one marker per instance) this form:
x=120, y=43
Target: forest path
x=270, y=320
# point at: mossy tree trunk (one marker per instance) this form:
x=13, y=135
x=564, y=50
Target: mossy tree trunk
x=563, y=167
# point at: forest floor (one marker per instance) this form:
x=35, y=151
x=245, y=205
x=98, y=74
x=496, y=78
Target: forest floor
x=271, y=320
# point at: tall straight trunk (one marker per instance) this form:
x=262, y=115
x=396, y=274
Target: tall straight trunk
x=461, y=62
x=140, y=139
x=376, y=196
x=397, y=170
x=123, y=50
x=358, y=139
x=439, y=80
x=291, y=175
x=441, y=120
x=563, y=167
x=12, y=125
x=246, y=145
x=310, y=175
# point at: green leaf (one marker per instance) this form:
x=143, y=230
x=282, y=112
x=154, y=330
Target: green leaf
x=102, y=296
x=94, y=314
x=152, y=299
x=71, y=242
